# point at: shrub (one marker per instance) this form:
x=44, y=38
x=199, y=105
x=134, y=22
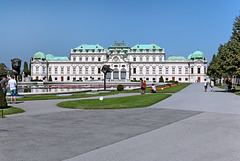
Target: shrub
x=173, y=82
x=120, y=87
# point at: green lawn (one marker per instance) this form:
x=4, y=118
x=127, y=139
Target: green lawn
x=11, y=110
x=116, y=103
x=237, y=89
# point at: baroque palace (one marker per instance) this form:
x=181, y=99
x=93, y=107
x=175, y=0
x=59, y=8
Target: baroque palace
x=142, y=61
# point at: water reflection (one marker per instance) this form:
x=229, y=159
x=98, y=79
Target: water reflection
x=63, y=88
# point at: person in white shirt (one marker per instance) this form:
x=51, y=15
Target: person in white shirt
x=13, y=89
x=211, y=85
x=205, y=85
x=153, y=88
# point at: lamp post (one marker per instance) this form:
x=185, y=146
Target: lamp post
x=105, y=69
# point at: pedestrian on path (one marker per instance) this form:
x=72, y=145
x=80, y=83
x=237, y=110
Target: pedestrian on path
x=144, y=86
x=153, y=88
x=205, y=85
x=141, y=86
x=13, y=89
x=211, y=85
x=4, y=84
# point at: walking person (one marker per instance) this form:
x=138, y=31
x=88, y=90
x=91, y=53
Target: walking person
x=205, y=85
x=153, y=88
x=144, y=86
x=141, y=86
x=211, y=85
x=4, y=84
x=13, y=89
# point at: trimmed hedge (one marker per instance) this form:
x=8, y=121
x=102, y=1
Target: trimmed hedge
x=120, y=87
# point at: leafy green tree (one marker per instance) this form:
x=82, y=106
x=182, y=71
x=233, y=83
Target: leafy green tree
x=25, y=69
x=3, y=70
x=161, y=79
x=50, y=78
x=3, y=102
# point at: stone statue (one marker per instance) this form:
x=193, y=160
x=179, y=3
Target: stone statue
x=16, y=66
x=105, y=69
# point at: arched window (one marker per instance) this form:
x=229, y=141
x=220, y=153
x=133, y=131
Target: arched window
x=115, y=74
x=123, y=73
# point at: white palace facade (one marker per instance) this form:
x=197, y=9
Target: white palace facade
x=142, y=61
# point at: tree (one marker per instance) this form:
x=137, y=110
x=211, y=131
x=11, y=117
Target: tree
x=3, y=102
x=3, y=70
x=161, y=79
x=25, y=69
x=50, y=78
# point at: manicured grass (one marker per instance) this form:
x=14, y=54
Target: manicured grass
x=75, y=95
x=237, y=92
x=116, y=103
x=11, y=110
x=174, y=89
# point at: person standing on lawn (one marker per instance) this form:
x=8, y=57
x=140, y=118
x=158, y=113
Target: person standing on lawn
x=144, y=86
x=13, y=89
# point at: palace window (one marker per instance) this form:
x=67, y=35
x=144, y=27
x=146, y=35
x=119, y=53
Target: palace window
x=153, y=59
x=147, y=59
x=74, y=70
x=68, y=70
x=186, y=70
x=62, y=70
x=160, y=70
x=160, y=58
x=173, y=70
x=154, y=71
x=191, y=70
x=179, y=70
x=166, y=70
x=147, y=71
x=86, y=70
x=134, y=70
x=140, y=58
x=74, y=59
x=205, y=70
x=56, y=70
x=44, y=70
x=199, y=70
x=99, y=70
x=80, y=58
x=92, y=70
x=99, y=59
x=141, y=71
x=92, y=58
x=86, y=58
x=134, y=59
x=50, y=70
x=80, y=70
x=37, y=70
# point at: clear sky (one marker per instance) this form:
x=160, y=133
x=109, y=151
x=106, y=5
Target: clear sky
x=178, y=26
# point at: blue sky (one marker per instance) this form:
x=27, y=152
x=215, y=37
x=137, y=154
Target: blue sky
x=178, y=26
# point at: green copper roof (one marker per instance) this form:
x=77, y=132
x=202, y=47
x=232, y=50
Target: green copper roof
x=49, y=57
x=189, y=56
x=39, y=55
x=118, y=46
x=146, y=46
x=85, y=46
x=176, y=58
x=196, y=55
x=60, y=58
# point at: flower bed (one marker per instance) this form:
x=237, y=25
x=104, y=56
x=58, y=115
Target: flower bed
x=166, y=86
